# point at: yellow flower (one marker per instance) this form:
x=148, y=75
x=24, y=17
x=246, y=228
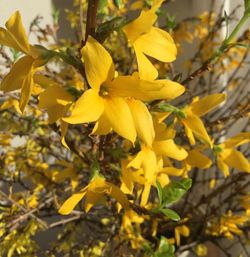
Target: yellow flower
x=228, y=225
x=94, y=193
x=116, y=102
x=21, y=74
x=192, y=122
x=179, y=231
x=56, y=101
x=227, y=155
x=149, y=40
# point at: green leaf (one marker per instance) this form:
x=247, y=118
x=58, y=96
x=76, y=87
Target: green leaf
x=174, y=191
x=186, y=183
x=101, y=5
x=106, y=28
x=171, y=214
x=159, y=191
x=164, y=249
x=170, y=108
x=118, y=3
x=247, y=7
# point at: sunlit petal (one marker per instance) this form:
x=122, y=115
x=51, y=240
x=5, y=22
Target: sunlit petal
x=99, y=66
x=142, y=120
x=207, y=104
x=88, y=108
x=120, y=117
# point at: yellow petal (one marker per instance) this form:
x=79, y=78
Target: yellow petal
x=142, y=120
x=170, y=149
x=14, y=79
x=145, y=194
x=7, y=39
x=239, y=139
x=120, y=197
x=172, y=171
x=15, y=27
x=72, y=201
x=189, y=134
x=99, y=66
x=132, y=86
x=146, y=69
x=51, y=95
x=236, y=160
x=64, y=129
x=223, y=166
x=55, y=100
x=207, y=104
x=102, y=126
x=158, y=44
x=197, y=127
x=88, y=108
x=140, y=25
x=26, y=90
x=149, y=164
x=92, y=198
x=197, y=159
x=120, y=117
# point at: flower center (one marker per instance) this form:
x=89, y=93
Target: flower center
x=104, y=91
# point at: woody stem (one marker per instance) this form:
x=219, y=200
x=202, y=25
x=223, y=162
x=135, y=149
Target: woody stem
x=91, y=18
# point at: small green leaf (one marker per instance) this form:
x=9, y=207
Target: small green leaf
x=159, y=191
x=106, y=28
x=171, y=214
x=247, y=7
x=118, y=3
x=164, y=249
x=174, y=191
x=186, y=183
x=170, y=108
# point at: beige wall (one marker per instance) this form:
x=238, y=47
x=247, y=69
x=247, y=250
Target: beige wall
x=29, y=9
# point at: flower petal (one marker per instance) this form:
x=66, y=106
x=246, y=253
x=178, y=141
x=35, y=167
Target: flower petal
x=72, y=201
x=145, y=194
x=162, y=47
x=50, y=97
x=120, y=197
x=140, y=25
x=142, y=120
x=207, y=104
x=15, y=27
x=88, y=108
x=7, y=39
x=223, y=166
x=236, y=160
x=146, y=69
x=195, y=124
x=132, y=86
x=239, y=139
x=91, y=199
x=120, y=117
x=14, y=79
x=27, y=86
x=102, y=126
x=64, y=129
x=197, y=159
x=99, y=66
x=170, y=149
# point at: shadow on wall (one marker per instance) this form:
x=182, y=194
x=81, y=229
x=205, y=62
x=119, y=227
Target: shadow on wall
x=65, y=30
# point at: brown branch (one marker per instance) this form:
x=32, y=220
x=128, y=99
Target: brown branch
x=91, y=18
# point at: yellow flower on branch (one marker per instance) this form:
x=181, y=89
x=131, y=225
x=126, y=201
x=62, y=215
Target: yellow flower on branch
x=21, y=74
x=116, y=102
x=95, y=193
x=228, y=156
x=192, y=122
x=149, y=40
